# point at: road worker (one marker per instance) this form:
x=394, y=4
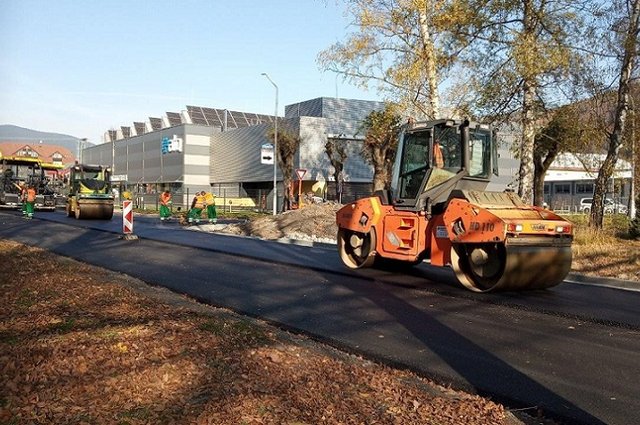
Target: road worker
x=22, y=188
x=209, y=200
x=31, y=200
x=196, y=208
x=165, y=205
x=438, y=156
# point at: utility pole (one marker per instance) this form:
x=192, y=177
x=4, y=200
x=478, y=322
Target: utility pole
x=275, y=149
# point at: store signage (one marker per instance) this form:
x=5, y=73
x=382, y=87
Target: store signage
x=119, y=178
x=171, y=145
x=266, y=153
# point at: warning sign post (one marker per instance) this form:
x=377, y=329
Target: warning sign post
x=300, y=172
x=127, y=220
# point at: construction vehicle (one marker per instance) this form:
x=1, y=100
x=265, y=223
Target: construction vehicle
x=46, y=180
x=90, y=195
x=17, y=172
x=438, y=209
x=14, y=173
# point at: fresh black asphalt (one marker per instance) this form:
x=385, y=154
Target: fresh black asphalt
x=571, y=351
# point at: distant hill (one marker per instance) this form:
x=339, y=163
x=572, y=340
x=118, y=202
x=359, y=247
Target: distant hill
x=13, y=133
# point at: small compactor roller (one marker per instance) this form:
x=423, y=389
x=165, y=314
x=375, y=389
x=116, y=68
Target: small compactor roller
x=90, y=194
x=438, y=209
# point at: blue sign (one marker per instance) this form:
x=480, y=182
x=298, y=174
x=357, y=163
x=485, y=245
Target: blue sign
x=171, y=145
x=166, y=143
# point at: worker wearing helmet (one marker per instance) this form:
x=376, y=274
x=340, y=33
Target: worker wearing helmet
x=165, y=204
x=209, y=200
x=196, y=208
x=31, y=200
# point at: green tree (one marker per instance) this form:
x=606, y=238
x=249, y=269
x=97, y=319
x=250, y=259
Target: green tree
x=566, y=131
x=521, y=55
x=624, y=27
x=288, y=144
x=396, y=46
x=380, y=143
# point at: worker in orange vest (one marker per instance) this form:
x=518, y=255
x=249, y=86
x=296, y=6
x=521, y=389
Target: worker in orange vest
x=31, y=200
x=165, y=204
x=438, y=157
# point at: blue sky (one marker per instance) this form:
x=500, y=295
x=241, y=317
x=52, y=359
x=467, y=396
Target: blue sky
x=83, y=67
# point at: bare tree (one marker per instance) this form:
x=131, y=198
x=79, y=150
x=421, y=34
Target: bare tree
x=336, y=150
x=288, y=144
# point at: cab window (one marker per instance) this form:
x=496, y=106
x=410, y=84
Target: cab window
x=479, y=154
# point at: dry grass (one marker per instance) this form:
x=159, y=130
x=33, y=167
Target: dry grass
x=605, y=252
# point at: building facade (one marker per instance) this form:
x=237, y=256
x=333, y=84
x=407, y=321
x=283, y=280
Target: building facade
x=220, y=151
x=571, y=178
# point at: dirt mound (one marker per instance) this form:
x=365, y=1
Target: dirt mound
x=317, y=221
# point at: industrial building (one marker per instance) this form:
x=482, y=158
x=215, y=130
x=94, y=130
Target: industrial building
x=220, y=150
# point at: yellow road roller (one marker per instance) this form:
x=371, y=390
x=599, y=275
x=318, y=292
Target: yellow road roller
x=90, y=195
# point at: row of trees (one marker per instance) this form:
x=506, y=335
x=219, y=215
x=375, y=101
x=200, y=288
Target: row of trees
x=503, y=60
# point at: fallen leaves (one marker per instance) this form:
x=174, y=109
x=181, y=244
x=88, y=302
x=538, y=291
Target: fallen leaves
x=79, y=346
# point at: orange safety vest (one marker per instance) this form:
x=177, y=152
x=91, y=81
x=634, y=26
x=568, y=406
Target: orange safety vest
x=208, y=198
x=165, y=198
x=438, y=158
x=31, y=195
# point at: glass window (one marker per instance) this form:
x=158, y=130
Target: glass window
x=562, y=188
x=448, y=140
x=414, y=164
x=546, y=188
x=584, y=188
x=479, y=154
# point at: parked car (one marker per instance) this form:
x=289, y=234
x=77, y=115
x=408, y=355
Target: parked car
x=610, y=206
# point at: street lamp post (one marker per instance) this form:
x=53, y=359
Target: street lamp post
x=81, y=143
x=275, y=148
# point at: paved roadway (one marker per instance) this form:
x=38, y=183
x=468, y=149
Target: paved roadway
x=572, y=351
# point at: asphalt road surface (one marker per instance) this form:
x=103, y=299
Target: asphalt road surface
x=572, y=351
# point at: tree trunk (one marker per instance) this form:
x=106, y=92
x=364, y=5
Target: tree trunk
x=286, y=168
x=380, y=175
x=622, y=108
x=430, y=63
x=529, y=91
x=380, y=178
x=526, y=172
x=540, y=170
x=538, y=181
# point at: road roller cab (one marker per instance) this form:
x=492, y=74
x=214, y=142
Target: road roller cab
x=438, y=209
x=90, y=195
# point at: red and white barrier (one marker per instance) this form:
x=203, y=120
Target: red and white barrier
x=127, y=217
